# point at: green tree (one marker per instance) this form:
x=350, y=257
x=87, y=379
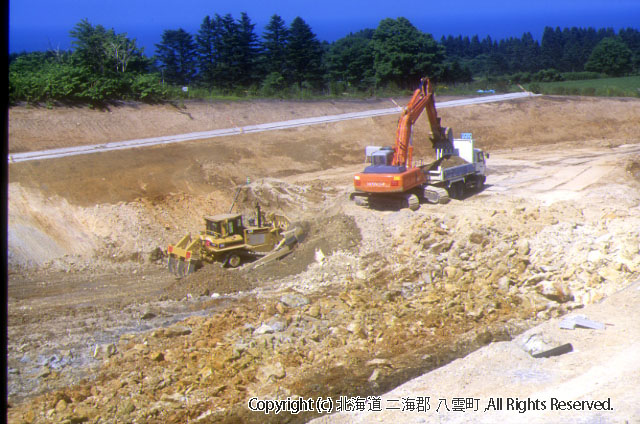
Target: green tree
x=631, y=38
x=530, y=59
x=249, y=52
x=454, y=73
x=403, y=54
x=90, y=45
x=177, y=55
x=104, y=51
x=304, y=54
x=207, y=42
x=475, y=48
x=274, y=46
x=612, y=57
x=228, y=46
x=123, y=52
x=551, y=48
x=350, y=59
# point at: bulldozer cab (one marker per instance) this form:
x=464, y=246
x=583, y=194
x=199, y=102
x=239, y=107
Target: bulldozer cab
x=223, y=225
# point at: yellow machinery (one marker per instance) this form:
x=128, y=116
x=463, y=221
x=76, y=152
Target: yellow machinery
x=226, y=239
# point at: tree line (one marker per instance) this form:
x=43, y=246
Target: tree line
x=568, y=50
x=226, y=55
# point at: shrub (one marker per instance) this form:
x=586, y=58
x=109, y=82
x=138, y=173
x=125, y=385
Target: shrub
x=547, y=75
x=535, y=88
x=148, y=88
x=579, y=76
x=273, y=84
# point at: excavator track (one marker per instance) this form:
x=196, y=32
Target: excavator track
x=413, y=202
x=436, y=195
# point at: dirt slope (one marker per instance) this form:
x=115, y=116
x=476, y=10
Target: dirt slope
x=603, y=367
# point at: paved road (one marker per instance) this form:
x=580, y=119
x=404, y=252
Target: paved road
x=145, y=142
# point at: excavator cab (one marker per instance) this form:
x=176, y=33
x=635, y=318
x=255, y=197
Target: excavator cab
x=382, y=162
x=382, y=157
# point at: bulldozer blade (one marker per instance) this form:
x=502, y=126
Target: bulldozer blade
x=293, y=235
x=171, y=264
x=276, y=254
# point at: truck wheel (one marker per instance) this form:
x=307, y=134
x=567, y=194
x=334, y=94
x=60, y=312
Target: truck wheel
x=453, y=191
x=461, y=187
x=480, y=182
x=234, y=260
x=456, y=191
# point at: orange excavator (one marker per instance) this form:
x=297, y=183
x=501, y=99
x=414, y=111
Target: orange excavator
x=392, y=178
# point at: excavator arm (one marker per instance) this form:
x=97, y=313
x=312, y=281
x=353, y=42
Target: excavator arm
x=422, y=99
x=410, y=114
x=440, y=137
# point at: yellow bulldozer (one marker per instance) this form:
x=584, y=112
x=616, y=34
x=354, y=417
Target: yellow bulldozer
x=227, y=240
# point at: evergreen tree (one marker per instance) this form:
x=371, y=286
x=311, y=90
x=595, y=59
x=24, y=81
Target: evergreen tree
x=229, y=51
x=177, y=55
x=454, y=73
x=631, y=38
x=551, y=48
x=207, y=43
x=572, y=59
x=304, y=54
x=249, y=52
x=475, y=48
x=274, y=46
x=530, y=59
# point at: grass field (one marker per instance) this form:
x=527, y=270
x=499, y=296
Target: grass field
x=613, y=87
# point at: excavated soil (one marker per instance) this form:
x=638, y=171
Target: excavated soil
x=326, y=235
x=99, y=331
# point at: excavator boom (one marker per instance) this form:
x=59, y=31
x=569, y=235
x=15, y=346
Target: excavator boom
x=410, y=114
x=422, y=99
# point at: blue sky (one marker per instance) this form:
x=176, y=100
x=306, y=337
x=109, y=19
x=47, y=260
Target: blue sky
x=43, y=24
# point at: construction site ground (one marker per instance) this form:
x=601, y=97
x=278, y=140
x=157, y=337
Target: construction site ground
x=99, y=331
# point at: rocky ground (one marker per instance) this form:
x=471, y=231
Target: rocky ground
x=370, y=299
